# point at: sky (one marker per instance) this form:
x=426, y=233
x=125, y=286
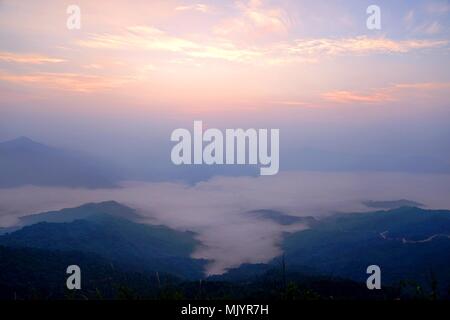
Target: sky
x=363, y=114
x=136, y=71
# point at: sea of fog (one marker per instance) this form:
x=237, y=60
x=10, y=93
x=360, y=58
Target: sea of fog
x=217, y=210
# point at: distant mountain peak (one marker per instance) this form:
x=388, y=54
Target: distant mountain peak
x=103, y=204
x=23, y=139
x=84, y=212
x=392, y=204
x=22, y=142
x=27, y=162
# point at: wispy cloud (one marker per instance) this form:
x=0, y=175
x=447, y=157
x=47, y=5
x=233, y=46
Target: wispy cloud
x=386, y=94
x=424, y=85
x=201, y=7
x=65, y=81
x=342, y=96
x=409, y=17
x=27, y=58
x=438, y=7
x=138, y=37
x=360, y=45
x=151, y=38
x=255, y=18
x=294, y=103
x=428, y=28
x=300, y=50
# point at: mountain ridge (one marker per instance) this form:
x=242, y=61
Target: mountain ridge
x=134, y=246
x=24, y=161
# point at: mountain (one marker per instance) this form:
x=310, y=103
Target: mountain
x=36, y=274
x=392, y=204
x=408, y=243
x=274, y=285
x=121, y=258
x=26, y=162
x=85, y=211
x=28, y=273
x=102, y=231
x=280, y=217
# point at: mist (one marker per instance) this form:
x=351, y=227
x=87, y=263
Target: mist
x=373, y=138
x=217, y=209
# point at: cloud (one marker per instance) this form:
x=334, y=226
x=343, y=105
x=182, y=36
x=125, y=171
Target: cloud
x=360, y=45
x=254, y=19
x=433, y=28
x=95, y=66
x=65, y=81
x=138, y=38
x=27, y=58
x=341, y=96
x=217, y=209
x=386, y=94
x=409, y=18
x=201, y=7
x=438, y=7
x=151, y=38
x=429, y=28
x=424, y=85
x=294, y=103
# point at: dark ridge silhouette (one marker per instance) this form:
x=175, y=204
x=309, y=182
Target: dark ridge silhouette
x=105, y=229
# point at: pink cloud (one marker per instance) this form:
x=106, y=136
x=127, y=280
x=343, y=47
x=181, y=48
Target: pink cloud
x=65, y=81
x=27, y=58
x=359, y=45
x=254, y=19
x=341, y=96
x=390, y=93
x=201, y=7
